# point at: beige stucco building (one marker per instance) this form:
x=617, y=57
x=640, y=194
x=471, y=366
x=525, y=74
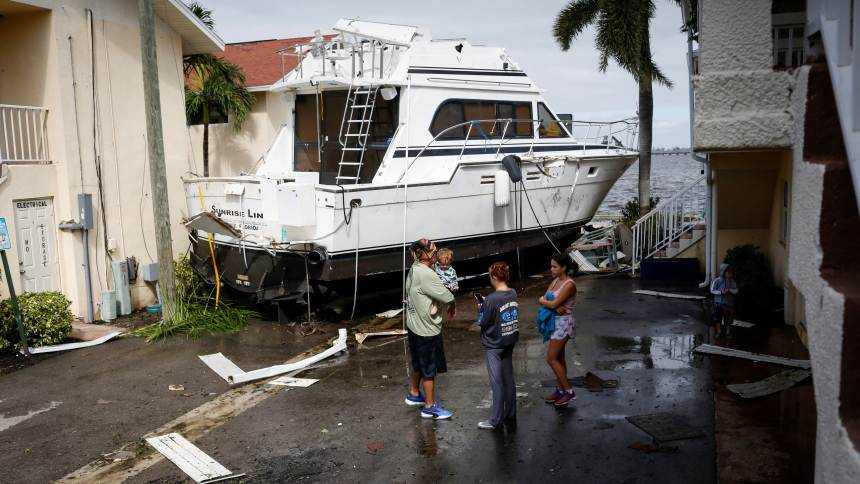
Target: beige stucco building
x=773, y=113
x=72, y=105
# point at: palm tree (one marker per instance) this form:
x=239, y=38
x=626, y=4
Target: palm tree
x=221, y=89
x=622, y=35
x=214, y=84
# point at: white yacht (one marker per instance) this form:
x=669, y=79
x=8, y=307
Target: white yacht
x=395, y=136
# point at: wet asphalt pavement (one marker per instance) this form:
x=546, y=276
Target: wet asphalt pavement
x=319, y=433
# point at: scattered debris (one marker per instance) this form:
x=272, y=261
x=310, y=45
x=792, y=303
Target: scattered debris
x=119, y=456
x=776, y=383
x=73, y=346
x=652, y=448
x=233, y=374
x=719, y=350
x=104, y=402
x=667, y=294
x=90, y=332
x=189, y=458
x=293, y=382
x=597, y=384
x=603, y=426
x=613, y=311
x=360, y=337
x=374, y=446
x=186, y=394
x=176, y=388
x=742, y=324
x=665, y=427
x=390, y=314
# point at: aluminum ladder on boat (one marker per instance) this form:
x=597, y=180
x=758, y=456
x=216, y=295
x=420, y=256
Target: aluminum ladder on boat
x=360, y=105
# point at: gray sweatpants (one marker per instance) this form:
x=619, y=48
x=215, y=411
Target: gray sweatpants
x=500, y=366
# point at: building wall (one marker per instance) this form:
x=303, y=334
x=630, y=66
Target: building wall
x=230, y=152
x=44, y=79
x=741, y=103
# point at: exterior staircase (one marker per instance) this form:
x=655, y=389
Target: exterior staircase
x=682, y=243
x=672, y=226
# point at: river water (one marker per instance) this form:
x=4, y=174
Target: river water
x=669, y=173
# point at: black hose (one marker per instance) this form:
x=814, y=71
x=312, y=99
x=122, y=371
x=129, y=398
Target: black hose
x=536, y=217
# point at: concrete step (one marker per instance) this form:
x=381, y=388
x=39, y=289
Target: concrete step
x=686, y=235
x=672, y=252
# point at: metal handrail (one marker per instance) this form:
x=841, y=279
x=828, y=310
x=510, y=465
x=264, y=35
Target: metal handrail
x=501, y=137
x=669, y=220
x=355, y=48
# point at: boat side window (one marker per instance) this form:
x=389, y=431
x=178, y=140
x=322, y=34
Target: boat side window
x=449, y=114
x=478, y=110
x=516, y=111
x=550, y=127
x=454, y=112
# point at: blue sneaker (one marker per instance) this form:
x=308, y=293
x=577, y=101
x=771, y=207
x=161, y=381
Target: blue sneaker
x=413, y=400
x=435, y=412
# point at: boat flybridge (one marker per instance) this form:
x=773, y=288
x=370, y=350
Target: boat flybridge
x=391, y=136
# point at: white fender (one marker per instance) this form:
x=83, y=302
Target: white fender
x=502, y=184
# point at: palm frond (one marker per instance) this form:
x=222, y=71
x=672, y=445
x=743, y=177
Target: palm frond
x=204, y=14
x=575, y=17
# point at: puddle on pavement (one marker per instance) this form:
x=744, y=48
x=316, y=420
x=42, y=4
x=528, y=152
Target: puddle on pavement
x=640, y=352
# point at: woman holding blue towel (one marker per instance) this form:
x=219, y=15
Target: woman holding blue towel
x=560, y=299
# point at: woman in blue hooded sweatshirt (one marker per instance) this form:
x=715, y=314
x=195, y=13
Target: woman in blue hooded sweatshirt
x=723, y=289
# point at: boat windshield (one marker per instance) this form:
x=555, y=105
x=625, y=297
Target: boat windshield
x=320, y=150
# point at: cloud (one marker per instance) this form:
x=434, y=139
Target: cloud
x=523, y=28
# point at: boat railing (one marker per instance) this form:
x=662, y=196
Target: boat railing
x=341, y=50
x=494, y=142
x=623, y=133
x=670, y=219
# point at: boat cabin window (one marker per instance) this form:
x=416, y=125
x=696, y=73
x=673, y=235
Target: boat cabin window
x=456, y=111
x=550, y=126
x=327, y=112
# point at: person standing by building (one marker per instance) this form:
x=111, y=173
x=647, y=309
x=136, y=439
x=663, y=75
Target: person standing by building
x=500, y=330
x=423, y=287
x=564, y=290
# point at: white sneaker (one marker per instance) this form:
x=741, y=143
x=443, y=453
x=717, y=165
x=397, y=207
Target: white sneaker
x=485, y=425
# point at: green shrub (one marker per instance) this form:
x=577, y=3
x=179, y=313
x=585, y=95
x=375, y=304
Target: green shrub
x=757, y=294
x=45, y=316
x=630, y=212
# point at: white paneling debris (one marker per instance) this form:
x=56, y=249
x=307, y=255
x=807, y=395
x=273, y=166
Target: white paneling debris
x=776, y=383
x=718, y=350
x=190, y=459
x=360, y=337
x=73, y=346
x=233, y=374
x=742, y=324
x=293, y=382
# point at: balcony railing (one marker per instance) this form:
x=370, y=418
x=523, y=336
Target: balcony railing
x=23, y=134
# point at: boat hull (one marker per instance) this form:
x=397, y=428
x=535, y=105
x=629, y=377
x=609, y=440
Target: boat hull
x=287, y=275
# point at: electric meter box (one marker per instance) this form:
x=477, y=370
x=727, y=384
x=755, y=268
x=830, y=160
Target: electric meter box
x=119, y=270
x=85, y=210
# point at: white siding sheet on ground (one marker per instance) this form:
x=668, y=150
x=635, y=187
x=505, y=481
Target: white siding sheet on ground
x=221, y=365
x=293, y=382
x=773, y=384
x=189, y=458
x=73, y=346
x=718, y=350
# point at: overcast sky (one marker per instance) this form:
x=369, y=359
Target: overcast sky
x=523, y=27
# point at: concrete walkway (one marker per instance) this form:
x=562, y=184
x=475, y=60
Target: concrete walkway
x=318, y=434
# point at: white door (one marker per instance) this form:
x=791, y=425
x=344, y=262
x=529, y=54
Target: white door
x=37, y=245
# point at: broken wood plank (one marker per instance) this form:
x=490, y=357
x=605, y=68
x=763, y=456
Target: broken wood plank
x=360, y=337
x=776, y=383
x=718, y=350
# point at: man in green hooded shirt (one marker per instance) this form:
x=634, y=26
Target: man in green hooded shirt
x=423, y=287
